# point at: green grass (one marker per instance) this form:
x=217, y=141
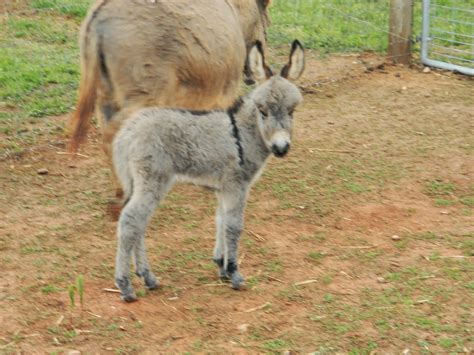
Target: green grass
x=467, y=245
x=38, y=83
x=330, y=25
x=316, y=257
x=440, y=188
x=446, y=193
x=75, y=8
x=441, y=202
x=39, y=66
x=468, y=201
x=276, y=345
x=49, y=289
x=39, y=74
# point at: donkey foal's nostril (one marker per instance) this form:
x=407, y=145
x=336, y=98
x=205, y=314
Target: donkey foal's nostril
x=280, y=150
x=249, y=81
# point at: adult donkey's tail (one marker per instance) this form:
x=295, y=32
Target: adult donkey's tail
x=81, y=117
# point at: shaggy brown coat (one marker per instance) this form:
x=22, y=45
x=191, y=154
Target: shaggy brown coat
x=180, y=53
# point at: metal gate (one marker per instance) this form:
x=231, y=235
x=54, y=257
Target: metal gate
x=447, y=39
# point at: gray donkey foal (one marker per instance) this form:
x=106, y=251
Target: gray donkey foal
x=223, y=150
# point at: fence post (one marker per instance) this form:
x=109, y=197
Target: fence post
x=400, y=31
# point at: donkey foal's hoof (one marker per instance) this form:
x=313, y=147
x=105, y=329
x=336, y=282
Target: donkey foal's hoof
x=152, y=286
x=238, y=282
x=222, y=273
x=127, y=293
x=151, y=282
x=149, y=278
x=129, y=298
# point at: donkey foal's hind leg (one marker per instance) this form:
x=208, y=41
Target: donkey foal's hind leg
x=131, y=234
x=142, y=268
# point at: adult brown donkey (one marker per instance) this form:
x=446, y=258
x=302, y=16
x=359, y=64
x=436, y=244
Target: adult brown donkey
x=180, y=53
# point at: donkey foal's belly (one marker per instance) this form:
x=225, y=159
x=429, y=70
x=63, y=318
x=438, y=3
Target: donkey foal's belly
x=205, y=181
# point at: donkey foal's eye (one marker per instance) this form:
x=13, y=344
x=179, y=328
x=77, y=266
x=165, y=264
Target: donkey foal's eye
x=264, y=114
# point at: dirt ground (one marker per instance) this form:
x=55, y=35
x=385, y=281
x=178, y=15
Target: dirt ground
x=360, y=242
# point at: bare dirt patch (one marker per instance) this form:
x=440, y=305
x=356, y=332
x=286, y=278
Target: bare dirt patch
x=379, y=151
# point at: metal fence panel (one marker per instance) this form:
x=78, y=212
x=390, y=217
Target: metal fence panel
x=447, y=39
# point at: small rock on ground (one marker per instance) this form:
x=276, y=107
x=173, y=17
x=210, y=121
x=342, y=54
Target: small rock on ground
x=381, y=280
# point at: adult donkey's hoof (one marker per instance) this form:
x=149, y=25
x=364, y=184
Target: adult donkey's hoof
x=114, y=207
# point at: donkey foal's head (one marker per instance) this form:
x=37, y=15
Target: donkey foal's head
x=276, y=97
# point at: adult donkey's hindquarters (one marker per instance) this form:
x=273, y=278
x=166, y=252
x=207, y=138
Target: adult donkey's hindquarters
x=180, y=53
x=223, y=150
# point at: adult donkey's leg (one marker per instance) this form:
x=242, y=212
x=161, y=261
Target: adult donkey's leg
x=220, y=246
x=234, y=205
x=111, y=120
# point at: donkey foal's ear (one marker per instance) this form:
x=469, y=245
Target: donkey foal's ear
x=256, y=63
x=295, y=66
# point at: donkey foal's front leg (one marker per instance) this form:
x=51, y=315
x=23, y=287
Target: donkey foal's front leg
x=232, y=268
x=220, y=249
x=234, y=222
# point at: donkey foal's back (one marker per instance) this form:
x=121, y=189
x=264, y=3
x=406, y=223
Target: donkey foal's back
x=222, y=150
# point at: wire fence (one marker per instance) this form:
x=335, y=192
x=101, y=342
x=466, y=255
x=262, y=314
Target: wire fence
x=362, y=25
x=335, y=25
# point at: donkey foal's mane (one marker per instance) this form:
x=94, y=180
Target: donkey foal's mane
x=231, y=111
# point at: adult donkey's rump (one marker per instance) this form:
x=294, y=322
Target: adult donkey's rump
x=180, y=53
